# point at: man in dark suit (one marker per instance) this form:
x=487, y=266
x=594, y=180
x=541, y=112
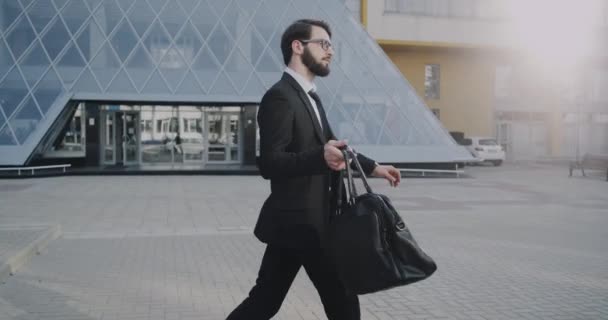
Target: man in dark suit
x=300, y=156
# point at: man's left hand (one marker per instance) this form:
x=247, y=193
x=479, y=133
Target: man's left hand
x=389, y=173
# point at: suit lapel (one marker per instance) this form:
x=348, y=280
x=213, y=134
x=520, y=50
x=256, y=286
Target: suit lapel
x=304, y=98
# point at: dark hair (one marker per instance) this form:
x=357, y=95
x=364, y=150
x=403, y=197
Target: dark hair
x=299, y=30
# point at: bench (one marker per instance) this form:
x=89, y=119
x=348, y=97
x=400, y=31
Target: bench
x=591, y=161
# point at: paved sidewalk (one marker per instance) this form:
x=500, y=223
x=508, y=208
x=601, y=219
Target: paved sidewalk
x=19, y=243
x=514, y=242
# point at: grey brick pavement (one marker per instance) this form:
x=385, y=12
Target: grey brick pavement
x=515, y=242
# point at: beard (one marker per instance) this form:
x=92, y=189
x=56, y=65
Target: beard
x=315, y=67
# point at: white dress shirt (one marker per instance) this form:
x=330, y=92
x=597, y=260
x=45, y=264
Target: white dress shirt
x=307, y=86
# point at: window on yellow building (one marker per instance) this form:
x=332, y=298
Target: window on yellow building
x=431, y=81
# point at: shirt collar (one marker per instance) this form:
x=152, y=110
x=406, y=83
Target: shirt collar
x=305, y=84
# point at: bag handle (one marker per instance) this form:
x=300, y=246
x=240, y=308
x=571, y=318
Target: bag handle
x=352, y=188
x=360, y=169
x=350, y=155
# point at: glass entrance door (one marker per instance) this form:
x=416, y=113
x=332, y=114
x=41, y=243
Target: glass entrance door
x=120, y=138
x=223, y=136
x=130, y=137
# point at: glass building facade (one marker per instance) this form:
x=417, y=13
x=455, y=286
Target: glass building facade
x=134, y=82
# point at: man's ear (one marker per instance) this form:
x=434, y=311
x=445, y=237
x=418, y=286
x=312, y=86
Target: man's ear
x=297, y=47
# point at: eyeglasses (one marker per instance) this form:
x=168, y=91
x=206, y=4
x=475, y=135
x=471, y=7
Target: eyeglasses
x=325, y=44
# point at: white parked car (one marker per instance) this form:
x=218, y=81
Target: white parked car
x=485, y=149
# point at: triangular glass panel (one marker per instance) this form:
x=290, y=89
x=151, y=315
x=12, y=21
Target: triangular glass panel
x=41, y=14
x=384, y=138
x=21, y=37
x=248, y=5
x=156, y=85
x=254, y=88
x=255, y=47
x=268, y=69
x=108, y=15
x=34, y=64
x=222, y=86
x=90, y=40
x=60, y=3
x=268, y=63
x=204, y=19
x=141, y=16
x=74, y=14
x=2, y=123
x=335, y=10
x=351, y=105
x=173, y=67
x=235, y=20
x=123, y=40
x=376, y=108
x=86, y=83
x=173, y=17
x=220, y=43
x=7, y=61
x=12, y=91
x=251, y=45
x=190, y=85
x=6, y=136
x=340, y=125
x=275, y=44
x=205, y=67
x=157, y=5
x=125, y=5
x=47, y=90
x=395, y=125
x=157, y=41
x=369, y=124
x=307, y=8
x=290, y=15
x=93, y=4
x=25, y=120
x=276, y=7
x=26, y=3
x=264, y=20
x=70, y=65
x=327, y=98
x=238, y=69
x=189, y=5
x=219, y=6
x=105, y=65
x=55, y=38
x=139, y=66
x=10, y=12
x=121, y=83
x=334, y=81
x=190, y=42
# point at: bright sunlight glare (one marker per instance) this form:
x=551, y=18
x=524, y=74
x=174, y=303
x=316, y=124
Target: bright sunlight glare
x=558, y=33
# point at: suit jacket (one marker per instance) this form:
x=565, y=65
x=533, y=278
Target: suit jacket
x=297, y=212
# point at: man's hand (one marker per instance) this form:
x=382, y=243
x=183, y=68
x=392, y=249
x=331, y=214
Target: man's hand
x=389, y=173
x=333, y=156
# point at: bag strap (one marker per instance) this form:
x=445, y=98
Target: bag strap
x=352, y=188
x=360, y=169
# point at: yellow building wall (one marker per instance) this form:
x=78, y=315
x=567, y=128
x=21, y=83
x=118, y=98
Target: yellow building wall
x=466, y=84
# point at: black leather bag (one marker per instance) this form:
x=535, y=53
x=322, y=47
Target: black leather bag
x=371, y=246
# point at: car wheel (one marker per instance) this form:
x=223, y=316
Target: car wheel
x=497, y=163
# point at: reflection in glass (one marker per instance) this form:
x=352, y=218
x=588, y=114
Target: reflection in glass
x=108, y=138
x=72, y=141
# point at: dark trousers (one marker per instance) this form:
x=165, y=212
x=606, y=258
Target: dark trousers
x=279, y=268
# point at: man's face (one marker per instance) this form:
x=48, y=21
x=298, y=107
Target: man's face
x=314, y=57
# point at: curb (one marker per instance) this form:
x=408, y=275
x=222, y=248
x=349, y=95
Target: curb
x=9, y=267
